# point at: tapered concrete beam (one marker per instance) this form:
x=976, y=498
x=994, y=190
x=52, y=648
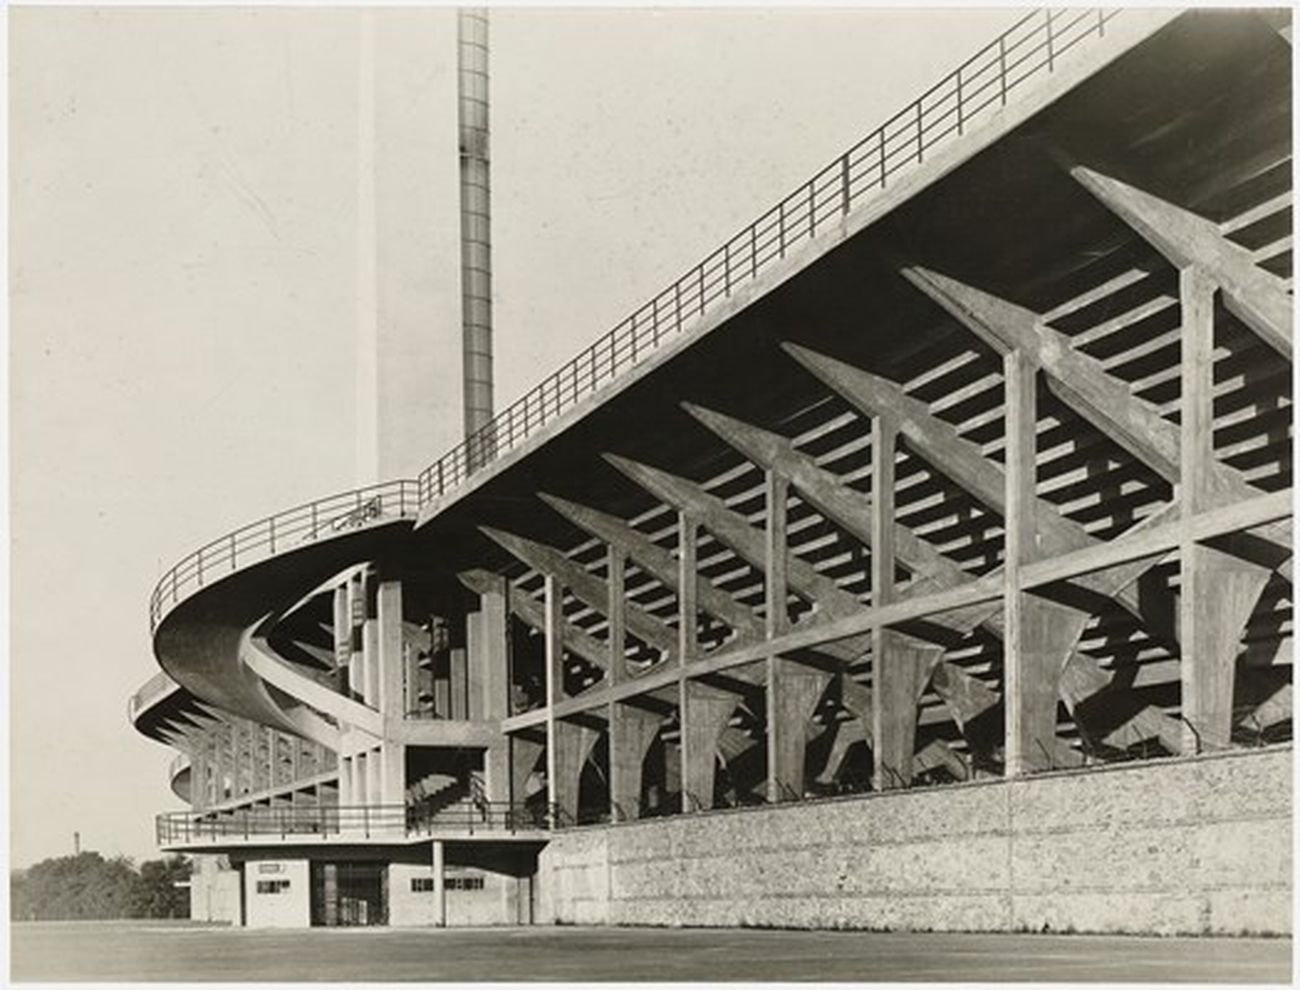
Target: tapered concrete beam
x=586, y=586
x=735, y=531
x=1083, y=384
x=657, y=562
x=532, y=613
x=844, y=505
x=1257, y=297
x=960, y=459
x=749, y=543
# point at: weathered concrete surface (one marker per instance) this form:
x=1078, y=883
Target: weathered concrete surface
x=1197, y=845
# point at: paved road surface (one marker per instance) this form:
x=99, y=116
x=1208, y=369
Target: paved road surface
x=142, y=951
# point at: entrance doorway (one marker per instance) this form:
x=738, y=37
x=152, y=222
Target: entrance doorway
x=349, y=894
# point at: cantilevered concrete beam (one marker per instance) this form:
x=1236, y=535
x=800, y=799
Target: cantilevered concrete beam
x=734, y=530
x=657, y=562
x=668, y=570
x=1085, y=385
x=1055, y=627
x=587, y=587
x=1256, y=296
x=532, y=613
x=957, y=457
x=844, y=505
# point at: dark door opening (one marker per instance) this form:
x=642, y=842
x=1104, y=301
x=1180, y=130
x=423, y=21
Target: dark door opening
x=349, y=894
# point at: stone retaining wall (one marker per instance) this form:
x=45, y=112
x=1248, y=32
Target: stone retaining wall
x=1182, y=845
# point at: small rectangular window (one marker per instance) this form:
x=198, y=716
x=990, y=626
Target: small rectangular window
x=272, y=886
x=422, y=885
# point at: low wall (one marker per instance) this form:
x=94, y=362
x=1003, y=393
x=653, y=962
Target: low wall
x=1180, y=845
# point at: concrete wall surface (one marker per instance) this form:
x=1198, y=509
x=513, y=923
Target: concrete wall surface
x=290, y=907
x=214, y=891
x=493, y=905
x=1175, y=846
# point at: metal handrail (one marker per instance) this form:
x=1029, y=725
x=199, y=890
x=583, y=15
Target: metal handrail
x=974, y=91
x=303, y=524
x=153, y=690
x=366, y=821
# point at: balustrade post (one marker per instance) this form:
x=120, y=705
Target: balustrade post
x=1051, y=55
x=1002, y=66
x=961, y=105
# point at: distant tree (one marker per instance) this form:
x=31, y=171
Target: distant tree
x=81, y=886
x=88, y=886
x=156, y=894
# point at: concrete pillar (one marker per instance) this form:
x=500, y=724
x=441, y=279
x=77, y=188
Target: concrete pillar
x=392, y=775
x=780, y=745
x=554, y=673
x=1031, y=684
x=370, y=663
x=797, y=691
x=1219, y=589
x=631, y=732
x=573, y=744
x=342, y=634
x=522, y=757
x=702, y=720
x=439, y=884
x=474, y=681
x=389, y=660
x=458, y=684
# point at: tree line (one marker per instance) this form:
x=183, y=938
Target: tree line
x=88, y=886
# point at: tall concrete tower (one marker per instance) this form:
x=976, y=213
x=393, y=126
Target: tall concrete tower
x=475, y=220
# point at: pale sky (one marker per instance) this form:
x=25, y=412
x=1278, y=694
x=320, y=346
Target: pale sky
x=184, y=285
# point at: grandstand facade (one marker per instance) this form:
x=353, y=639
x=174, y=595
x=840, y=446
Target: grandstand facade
x=921, y=558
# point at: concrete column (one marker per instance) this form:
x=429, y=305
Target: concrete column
x=370, y=663
x=439, y=884
x=797, y=691
x=1031, y=688
x=388, y=654
x=342, y=634
x=356, y=594
x=616, y=613
x=702, y=720
x=492, y=667
x=1219, y=589
x=631, y=732
x=572, y=746
x=523, y=754
x=392, y=776
x=553, y=663
x=897, y=659
x=776, y=621
x=474, y=659
x=458, y=684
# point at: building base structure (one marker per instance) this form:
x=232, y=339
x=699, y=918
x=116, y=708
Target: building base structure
x=1184, y=846
x=944, y=580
